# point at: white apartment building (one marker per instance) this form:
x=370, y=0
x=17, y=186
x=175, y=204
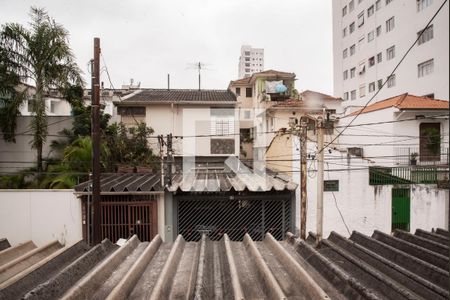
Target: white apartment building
x=371, y=36
x=251, y=61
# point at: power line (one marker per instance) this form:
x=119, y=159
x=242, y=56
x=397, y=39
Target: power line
x=392, y=73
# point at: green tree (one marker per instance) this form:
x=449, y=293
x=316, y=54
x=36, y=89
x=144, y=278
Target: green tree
x=39, y=55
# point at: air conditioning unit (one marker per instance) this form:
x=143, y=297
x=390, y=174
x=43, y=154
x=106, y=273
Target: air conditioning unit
x=355, y=151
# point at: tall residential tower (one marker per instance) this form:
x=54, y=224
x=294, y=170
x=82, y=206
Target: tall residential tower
x=251, y=61
x=371, y=36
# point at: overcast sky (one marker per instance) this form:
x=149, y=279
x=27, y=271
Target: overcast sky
x=145, y=40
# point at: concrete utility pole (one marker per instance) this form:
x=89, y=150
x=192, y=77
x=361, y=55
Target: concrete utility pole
x=303, y=177
x=95, y=109
x=320, y=177
x=169, y=160
x=161, y=156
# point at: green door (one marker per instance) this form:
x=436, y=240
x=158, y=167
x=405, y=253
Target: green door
x=400, y=209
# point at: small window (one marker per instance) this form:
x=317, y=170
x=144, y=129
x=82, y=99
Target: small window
x=361, y=19
x=344, y=32
x=371, y=87
x=247, y=53
x=372, y=61
x=345, y=75
x=131, y=110
x=391, y=81
x=425, y=35
x=247, y=59
x=390, y=53
x=378, y=5
x=353, y=95
x=379, y=30
x=352, y=50
x=390, y=24
x=361, y=42
x=426, y=68
x=380, y=83
x=422, y=4
x=388, y=2
x=370, y=36
x=238, y=91
x=248, y=92
x=352, y=72
x=362, y=68
x=346, y=96
x=370, y=11
x=351, y=27
x=351, y=5
x=362, y=91
x=345, y=53
x=331, y=185
x=379, y=57
x=344, y=11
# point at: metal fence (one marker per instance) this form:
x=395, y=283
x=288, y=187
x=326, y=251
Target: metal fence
x=234, y=215
x=407, y=175
x=404, y=157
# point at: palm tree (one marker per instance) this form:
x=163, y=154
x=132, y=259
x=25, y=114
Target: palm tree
x=41, y=56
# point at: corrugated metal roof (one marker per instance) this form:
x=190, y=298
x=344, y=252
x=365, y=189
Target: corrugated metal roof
x=398, y=266
x=199, y=180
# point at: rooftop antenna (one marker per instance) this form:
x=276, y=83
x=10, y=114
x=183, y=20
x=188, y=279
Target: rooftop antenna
x=199, y=66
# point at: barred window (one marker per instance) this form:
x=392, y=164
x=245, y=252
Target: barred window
x=426, y=35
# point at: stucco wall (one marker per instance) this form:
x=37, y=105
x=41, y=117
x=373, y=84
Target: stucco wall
x=40, y=215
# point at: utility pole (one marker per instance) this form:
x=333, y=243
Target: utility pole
x=95, y=109
x=303, y=178
x=169, y=160
x=320, y=177
x=161, y=155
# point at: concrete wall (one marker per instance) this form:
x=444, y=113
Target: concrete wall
x=19, y=155
x=40, y=215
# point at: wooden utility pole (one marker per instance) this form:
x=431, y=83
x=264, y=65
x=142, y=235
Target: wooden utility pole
x=303, y=177
x=320, y=177
x=95, y=109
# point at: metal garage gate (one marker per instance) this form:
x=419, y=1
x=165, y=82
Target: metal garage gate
x=217, y=214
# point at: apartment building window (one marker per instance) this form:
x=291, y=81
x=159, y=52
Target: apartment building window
x=344, y=32
x=391, y=81
x=371, y=87
x=425, y=35
x=247, y=65
x=352, y=50
x=351, y=27
x=247, y=53
x=388, y=2
x=378, y=30
x=380, y=83
x=361, y=19
x=362, y=91
x=370, y=36
x=248, y=92
x=351, y=6
x=345, y=53
x=247, y=59
x=344, y=11
x=346, y=96
x=390, y=53
x=379, y=57
x=352, y=72
x=372, y=61
x=422, y=4
x=378, y=5
x=390, y=24
x=361, y=42
x=353, y=95
x=370, y=11
x=247, y=70
x=362, y=68
x=426, y=68
x=238, y=91
x=345, y=75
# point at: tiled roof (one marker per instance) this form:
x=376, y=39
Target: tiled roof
x=173, y=95
x=312, y=94
x=381, y=266
x=217, y=179
x=406, y=102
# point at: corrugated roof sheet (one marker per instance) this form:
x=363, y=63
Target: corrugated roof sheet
x=383, y=266
x=179, y=95
x=406, y=102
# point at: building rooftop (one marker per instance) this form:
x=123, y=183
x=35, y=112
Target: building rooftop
x=406, y=102
x=381, y=266
x=178, y=95
x=312, y=94
x=267, y=73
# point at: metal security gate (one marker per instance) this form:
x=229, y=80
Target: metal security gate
x=400, y=209
x=234, y=215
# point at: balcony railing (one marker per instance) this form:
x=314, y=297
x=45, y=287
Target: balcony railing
x=407, y=175
x=414, y=156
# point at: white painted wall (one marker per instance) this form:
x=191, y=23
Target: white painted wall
x=41, y=216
